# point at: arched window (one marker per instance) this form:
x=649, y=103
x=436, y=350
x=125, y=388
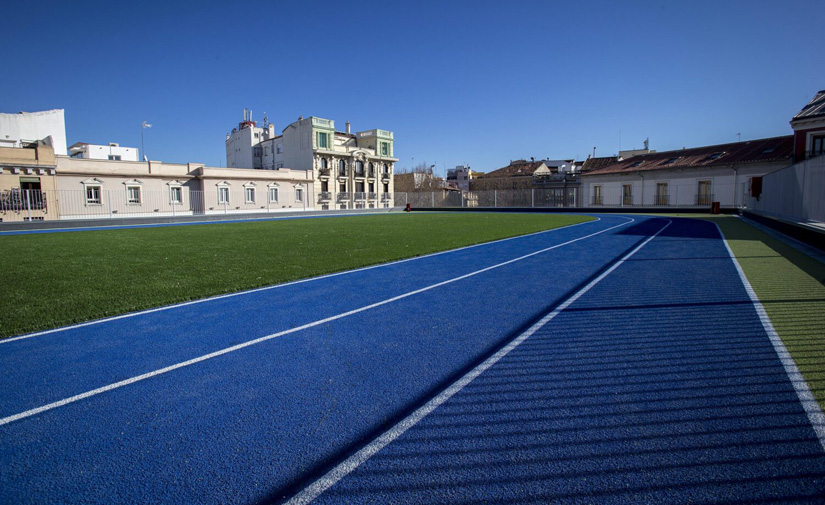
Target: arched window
x=386, y=169
x=372, y=169
x=323, y=163
x=342, y=167
x=359, y=168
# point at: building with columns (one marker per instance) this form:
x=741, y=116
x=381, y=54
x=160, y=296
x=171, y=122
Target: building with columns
x=349, y=170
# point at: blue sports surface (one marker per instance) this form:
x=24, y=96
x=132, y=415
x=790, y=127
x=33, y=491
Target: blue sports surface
x=658, y=383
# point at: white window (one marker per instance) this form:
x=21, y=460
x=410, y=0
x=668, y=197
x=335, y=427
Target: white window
x=223, y=194
x=114, y=157
x=133, y=194
x=250, y=195
x=299, y=194
x=93, y=195
x=322, y=140
x=273, y=195
x=385, y=149
x=176, y=194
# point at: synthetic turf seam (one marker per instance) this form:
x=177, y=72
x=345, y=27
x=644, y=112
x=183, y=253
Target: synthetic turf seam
x=148, y=375
x=803, y=392
x=340, y=471
x=291, y=283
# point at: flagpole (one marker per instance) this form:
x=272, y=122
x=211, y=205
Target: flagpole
x=143, y=127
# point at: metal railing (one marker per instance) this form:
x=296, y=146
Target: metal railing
x=360, y=195
x=372, y=196
x=16, y=200
x=342, y=197
x=325, y=195
x=678, y=195
x=704, y=199
x=26, y=205
x=661, y=200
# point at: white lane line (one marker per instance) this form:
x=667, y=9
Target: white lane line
x=343, y=469
x=236, y=347
x=278, y=286
x=803, y=392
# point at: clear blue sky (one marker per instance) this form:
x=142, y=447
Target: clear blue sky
x=458, y=82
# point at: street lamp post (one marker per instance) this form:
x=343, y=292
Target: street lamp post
x=143, y=127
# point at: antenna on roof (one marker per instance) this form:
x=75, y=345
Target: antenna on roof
x=647, y=144
x=739, y=137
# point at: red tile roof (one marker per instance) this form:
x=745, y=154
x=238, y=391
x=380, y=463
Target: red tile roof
x=596, y=163
x=751, y=151
x=515, y=169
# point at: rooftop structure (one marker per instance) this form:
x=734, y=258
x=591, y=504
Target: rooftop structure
x=111, y=152
x=751, y=151
x=30, y=127
x=809, y=129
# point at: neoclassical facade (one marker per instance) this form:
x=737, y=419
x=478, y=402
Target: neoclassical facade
x=349, y=170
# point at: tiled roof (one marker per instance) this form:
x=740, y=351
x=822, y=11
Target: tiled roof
x=515, y=169
x=815, y=108
x=751, y=151
x=596, y=163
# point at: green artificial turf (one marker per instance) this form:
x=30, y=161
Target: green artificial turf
x=55, y=279
x=791, y=287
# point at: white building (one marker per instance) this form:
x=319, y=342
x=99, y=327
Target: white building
x=351, y=171
x=111, y=152
x=24, y=128
x=694, y=176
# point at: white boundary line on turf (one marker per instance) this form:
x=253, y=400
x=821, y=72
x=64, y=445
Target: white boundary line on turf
x=315, y=489
x=803, y=392
x=285, y=284
x=105, y=227
x=236, y=347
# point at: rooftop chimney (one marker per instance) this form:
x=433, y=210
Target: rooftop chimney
x=348, y=127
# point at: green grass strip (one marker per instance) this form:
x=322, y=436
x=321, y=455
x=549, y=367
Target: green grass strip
x=56, y=279
x=791, y=287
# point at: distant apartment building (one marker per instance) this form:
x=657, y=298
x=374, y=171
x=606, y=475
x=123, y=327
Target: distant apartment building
x=26, y=128
x=460, y=177
x=349, y=170
x=111, y=152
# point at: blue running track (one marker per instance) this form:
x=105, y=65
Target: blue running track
x=658, y=384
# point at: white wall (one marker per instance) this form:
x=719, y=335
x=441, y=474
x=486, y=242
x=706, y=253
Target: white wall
x=240, y=147
x=727, y=185
x=796, y=193
x=98, y=152
x=30, y=126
